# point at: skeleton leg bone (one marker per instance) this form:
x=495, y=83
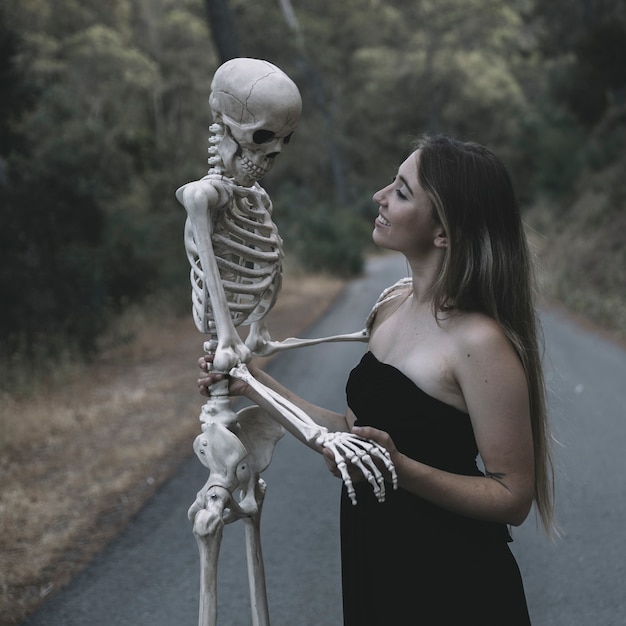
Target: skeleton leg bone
x=254, y=557
x=235, y=463
x=206, y=514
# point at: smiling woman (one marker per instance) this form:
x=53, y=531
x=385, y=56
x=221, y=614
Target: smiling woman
x=406, y=220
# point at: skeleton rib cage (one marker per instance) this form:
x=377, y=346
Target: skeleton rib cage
x=248, y=252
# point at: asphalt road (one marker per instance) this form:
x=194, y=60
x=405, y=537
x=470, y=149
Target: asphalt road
x=149, y=576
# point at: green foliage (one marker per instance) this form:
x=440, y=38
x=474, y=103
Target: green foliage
x=16, y=94
x=320, y=236
x=325, y=247
x=104, y=113
x=77, y=245
x=588, y=39
x=583, y=95
x=553, y=144
x=49, y=279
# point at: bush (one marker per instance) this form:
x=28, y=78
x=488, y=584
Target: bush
x=552, y=145
x=321, y=236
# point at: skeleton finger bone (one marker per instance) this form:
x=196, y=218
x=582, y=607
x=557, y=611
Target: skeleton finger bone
x=345, y=475
x=368, y=468
x=361, y=453
x=361, y=458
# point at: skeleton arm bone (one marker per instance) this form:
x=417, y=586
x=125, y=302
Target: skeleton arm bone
x=264, y=346
x=261, y=344
x=345, y=447
x=200, y=199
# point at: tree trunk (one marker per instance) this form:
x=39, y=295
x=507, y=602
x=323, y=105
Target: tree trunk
x=223, y=30
x=335, y=158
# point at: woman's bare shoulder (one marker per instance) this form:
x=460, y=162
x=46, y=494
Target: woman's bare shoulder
x=478, y=335
x=481, y=346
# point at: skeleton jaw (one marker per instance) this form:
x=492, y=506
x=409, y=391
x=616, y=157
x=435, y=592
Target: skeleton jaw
x=251, y=170
x=246, y=166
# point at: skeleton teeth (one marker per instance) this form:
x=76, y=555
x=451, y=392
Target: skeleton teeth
x=252, y=169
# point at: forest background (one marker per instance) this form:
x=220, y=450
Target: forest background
x=104, y=114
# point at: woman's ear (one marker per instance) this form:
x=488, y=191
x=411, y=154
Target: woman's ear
x=441, y=239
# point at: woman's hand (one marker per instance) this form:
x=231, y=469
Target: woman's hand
x=236, y=387
x=379, y=436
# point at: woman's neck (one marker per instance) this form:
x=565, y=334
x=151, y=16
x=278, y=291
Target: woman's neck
x=423, y=275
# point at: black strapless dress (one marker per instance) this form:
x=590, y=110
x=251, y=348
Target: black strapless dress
x=407, y=561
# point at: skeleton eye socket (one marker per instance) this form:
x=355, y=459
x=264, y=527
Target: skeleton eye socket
x=263, y=136
x=287, y=139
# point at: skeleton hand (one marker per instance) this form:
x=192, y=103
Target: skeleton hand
x=363, y=454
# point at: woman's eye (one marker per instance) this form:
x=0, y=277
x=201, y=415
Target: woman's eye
x=400, y=194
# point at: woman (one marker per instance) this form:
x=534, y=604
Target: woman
x=458, y=355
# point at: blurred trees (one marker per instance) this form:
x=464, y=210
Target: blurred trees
x=104, y=113
x=587, y=41
x=392, y=70
x=222, y=29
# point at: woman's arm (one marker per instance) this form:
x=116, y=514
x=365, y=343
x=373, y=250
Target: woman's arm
x=493, y=383
x=334, y=422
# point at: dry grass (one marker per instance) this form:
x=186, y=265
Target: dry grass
x=582, y=247
x=81, y=458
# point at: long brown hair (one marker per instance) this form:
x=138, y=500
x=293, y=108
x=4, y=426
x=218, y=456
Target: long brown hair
x=487, y=268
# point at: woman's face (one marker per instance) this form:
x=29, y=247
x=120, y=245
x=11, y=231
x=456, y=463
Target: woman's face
x=405, y=222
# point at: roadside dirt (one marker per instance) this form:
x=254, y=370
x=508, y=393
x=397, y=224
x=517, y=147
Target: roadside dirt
x=83, y=459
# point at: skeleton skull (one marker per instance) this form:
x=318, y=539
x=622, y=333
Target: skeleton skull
x=259, y=107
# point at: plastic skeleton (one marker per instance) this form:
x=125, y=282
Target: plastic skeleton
x=236, y=255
